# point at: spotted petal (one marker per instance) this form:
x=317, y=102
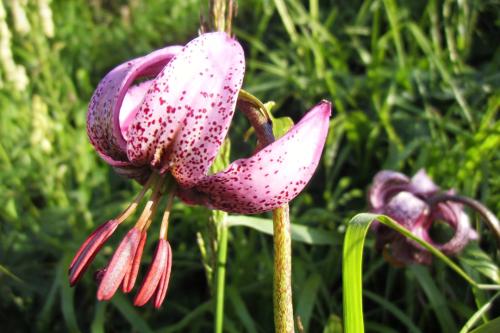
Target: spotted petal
x=274, y=175
x=187, y=111
x=107, y=113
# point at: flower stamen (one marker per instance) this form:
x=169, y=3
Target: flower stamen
x=166, y=214
x=133, y=205
x=147, y=214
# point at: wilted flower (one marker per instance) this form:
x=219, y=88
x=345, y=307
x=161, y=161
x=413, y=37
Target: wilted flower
x=408, y=202
x=165, y=133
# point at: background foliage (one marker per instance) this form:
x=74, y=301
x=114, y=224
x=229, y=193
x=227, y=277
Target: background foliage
x=414, y=84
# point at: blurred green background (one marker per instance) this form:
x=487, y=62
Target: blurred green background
x=415, y=84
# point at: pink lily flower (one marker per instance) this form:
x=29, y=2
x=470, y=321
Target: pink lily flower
x=168, y=130
x=407, y=201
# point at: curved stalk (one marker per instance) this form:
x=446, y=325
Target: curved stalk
x=485, y=213
x=260, y=120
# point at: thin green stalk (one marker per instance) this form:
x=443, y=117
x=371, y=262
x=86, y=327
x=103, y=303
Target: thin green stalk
x=282, y=291
x=220, y=275
x=222, y=12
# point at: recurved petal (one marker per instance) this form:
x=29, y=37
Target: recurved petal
x=274, y=175
x=408, y=210
x=89, y=249
x=386, y=184
x=156, y=271
x=188, y=108
x=422, y=184
x=412, y=213
x=106, y=116
x=119, y=265
x=453, y=215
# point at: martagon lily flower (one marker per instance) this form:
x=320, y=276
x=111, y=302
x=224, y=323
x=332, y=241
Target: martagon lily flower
x=408, y=202
x=161, y=119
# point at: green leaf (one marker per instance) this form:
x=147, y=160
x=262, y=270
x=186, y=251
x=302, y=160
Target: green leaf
x=67, y=299
x=474, y=257
x=394, y=310
x=333, y=325
x=241, y=310
x=281, y=126
x=223, y=157
x=307, y=299
x=478, y=314
x=490, y=327
x=181, y=325
x=97, y=325
x=300, y=233
x=435, y=297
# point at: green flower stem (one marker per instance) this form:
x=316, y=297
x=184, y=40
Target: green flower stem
x=220, y=273
x=221, y=15
x=282, y=282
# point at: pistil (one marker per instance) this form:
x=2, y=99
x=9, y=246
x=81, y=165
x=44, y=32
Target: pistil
x=148, y=213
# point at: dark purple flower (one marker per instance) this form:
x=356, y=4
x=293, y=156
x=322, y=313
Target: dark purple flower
x=407, y=201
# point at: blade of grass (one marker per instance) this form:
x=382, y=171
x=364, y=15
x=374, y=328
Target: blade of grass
x=490, y=327
x=447, y=77
x=97, y=325
x=479, y=313
x=130, y=314
x=67, y=299
x=300, y=233
x=307, y=299
x=184, y=322
x=435, y=297
x=241, y=310
x=287, y=20
x=394, y=310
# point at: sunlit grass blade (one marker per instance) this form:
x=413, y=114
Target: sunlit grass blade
x=300, y=233
x=475, y=258
x=352, y=266
x=490, y=327
x=478, y=314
